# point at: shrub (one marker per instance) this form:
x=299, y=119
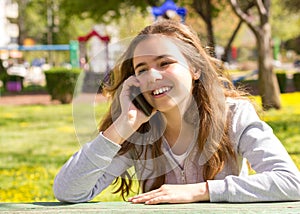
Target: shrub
x=281, y=78
x=296, y=80
x=92, y=82
x=3, y=77
x=61, y=83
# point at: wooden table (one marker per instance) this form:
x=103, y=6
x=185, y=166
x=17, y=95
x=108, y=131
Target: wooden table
x=126, y=207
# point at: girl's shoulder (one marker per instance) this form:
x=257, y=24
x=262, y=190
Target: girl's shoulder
x=241, y=110
x=237, y=103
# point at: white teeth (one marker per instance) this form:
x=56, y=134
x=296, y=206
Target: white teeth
x=161, y=90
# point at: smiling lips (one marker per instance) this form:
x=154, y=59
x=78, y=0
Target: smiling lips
x=161, y=90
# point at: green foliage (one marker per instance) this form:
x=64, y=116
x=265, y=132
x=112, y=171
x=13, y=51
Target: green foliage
x=62, y=27
x=61, y=83
x=292, y=5
x=285, y=20
x=297, y=81
x=3, y=77
x=35, y=12
x=98, y=10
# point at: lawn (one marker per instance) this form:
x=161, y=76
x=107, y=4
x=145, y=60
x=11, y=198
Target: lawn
x=37, y=140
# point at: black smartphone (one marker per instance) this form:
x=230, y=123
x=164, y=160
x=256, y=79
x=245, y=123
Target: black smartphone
x=139, y=101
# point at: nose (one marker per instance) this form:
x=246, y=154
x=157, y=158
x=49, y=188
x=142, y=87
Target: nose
x=153, y=75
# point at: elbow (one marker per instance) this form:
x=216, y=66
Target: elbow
x=60, y=193
x=66, y=197
x=64, y=193
x=60, y=196
x=292, y=187
x=295, y=188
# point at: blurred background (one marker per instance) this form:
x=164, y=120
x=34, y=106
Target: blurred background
x=36, y=35
x=48, y=47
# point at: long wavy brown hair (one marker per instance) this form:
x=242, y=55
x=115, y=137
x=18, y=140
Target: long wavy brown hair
x=209, y=92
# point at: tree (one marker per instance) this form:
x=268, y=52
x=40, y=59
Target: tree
x=234, y=33
x=292, y=5
x=205, y=9
x=258, y=22
x=101, y=11
x=285, y=21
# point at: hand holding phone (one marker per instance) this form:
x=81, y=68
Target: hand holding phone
x=139, y=101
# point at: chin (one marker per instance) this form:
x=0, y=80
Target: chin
x=167, y=107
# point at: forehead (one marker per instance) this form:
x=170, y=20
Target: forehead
x=157, y=45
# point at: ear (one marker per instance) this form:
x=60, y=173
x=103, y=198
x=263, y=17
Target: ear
x=196, y=75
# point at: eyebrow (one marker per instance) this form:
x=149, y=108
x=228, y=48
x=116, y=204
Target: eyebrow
x=155, y=59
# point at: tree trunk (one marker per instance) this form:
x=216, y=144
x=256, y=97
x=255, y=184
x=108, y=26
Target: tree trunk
x=210, y=37
x=268, y=85
x=228, y=46
x=204, y=9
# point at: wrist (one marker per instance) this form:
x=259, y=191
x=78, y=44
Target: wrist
x=119, y=131
x=202, y=193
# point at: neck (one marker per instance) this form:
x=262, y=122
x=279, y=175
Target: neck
x=179, y=134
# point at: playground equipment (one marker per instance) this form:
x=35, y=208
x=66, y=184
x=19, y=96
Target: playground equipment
x=93, y=80
x=83, y=50
x=19, y=72
x=73, y=47
x=169, y=5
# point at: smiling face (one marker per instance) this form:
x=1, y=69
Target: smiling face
x=162, y=70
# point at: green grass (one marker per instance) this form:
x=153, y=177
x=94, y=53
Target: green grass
x=286, y=123
x=37, y=140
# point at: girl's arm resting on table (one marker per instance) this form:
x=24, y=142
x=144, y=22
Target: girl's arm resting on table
x=276, y=179
x=96, y=165
x=89, y=171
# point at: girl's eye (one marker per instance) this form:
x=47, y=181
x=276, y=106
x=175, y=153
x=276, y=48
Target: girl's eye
x=166, y=63
x=140, y=71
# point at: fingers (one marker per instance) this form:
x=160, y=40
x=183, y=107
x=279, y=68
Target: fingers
x=148, y=199
x=131, y=81
x=158, y=200
x=125, y=93
x=144, y=195
x=153, y=197
x=127, y=84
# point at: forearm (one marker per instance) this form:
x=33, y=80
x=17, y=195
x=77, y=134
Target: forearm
x=119, y=131
x=268, y=186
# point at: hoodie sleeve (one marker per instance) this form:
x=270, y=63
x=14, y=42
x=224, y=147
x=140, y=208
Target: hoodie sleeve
x=277, y=177
x=90, y=170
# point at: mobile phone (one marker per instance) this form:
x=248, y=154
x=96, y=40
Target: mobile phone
x=139, y=101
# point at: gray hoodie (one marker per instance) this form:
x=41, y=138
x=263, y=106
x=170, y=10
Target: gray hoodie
x=95, y=166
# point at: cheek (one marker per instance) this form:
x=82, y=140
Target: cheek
x=141, y=79
x=183, y=76
x=186, y=84
x=143, y=82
